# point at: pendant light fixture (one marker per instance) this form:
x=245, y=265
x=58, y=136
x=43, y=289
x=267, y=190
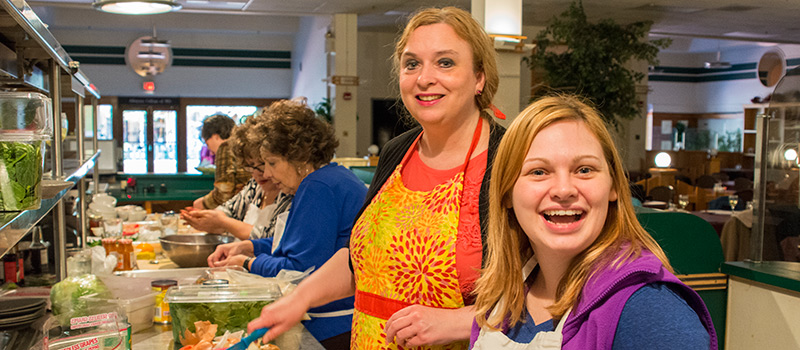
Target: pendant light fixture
x=718, y=64
x=136, y=7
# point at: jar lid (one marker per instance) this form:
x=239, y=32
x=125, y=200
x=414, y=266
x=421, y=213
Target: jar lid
x=163, y=283
x=215, y=282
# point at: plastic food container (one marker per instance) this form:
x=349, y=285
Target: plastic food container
x=25, y=123
x=139, y=310
x=230, y=307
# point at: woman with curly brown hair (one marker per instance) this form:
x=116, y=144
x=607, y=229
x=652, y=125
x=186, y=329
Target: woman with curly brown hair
x=252, y=213
x=297, y=148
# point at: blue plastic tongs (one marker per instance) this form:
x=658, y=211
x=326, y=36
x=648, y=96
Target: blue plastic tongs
x=245, y=342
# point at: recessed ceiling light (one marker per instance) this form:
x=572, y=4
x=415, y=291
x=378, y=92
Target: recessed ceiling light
x=136, y=7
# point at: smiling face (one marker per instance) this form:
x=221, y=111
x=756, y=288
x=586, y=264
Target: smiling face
x=562, y=195
x=284, y=174
x=438, y=82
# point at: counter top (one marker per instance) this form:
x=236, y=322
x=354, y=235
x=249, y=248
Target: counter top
x=783, y=274
x=159, y=337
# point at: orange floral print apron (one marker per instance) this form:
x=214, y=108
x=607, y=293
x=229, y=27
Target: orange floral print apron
x=403, y=249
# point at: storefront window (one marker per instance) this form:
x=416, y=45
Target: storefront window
x=165, y=140
x=134, y=141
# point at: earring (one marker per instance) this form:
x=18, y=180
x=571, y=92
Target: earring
x=479, y=92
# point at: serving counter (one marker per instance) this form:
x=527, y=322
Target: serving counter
x=763, y=305
x=162, y=192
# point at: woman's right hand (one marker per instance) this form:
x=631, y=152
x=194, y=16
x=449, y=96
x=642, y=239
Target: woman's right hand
x=207, y=220
x=225, y=251
x=279, y=316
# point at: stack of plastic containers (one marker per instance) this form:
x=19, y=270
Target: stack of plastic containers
x=25, y=123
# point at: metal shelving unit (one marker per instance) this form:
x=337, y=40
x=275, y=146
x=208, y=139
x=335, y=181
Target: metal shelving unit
x=31, y=59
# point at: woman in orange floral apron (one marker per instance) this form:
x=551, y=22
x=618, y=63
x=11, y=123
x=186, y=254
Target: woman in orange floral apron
x=416, y=248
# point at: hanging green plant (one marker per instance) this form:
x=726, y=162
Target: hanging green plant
x=592, y=65
x=323, y=109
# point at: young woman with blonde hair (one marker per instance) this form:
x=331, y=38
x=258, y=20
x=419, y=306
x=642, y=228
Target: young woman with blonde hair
x=561, y=221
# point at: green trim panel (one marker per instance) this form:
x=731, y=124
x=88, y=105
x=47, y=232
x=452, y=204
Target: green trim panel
x=114, y=55
x=229, y=63
x=100, y=50
x=99, y=60
x=781, y=274
x=232, y=53
x=793, y=62
x=703, y=79
x=693, y=70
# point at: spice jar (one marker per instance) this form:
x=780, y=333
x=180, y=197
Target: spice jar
x=162, y=307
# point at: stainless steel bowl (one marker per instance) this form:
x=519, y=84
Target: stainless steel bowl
x=192, y=250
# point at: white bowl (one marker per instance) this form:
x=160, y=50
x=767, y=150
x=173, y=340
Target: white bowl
x=107, y=214
x=104, y=199
x=98, y=207
x=137, y=214
x=123, y=213
x=98, y=231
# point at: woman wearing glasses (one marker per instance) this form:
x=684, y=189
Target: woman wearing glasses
x=297, y=149
x=253, y=212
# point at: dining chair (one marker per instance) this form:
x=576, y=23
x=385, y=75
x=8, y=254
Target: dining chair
x=720, y=177
x=705, y=181
x=662, y=193
x=742, y=184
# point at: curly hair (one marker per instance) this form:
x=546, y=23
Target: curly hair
x=243, y=147
x=219, y=124
x=292, y=130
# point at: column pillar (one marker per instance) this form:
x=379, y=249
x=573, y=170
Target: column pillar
x=345, y=80
x=503, y=19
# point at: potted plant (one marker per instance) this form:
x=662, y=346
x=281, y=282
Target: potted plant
x=588, y=59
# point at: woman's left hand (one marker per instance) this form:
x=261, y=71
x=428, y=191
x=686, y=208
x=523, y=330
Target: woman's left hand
x=418, y=325
x=236, y=260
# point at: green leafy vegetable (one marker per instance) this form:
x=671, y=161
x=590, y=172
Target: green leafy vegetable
x=230, y=316
x=20, y=175
x=65, y=296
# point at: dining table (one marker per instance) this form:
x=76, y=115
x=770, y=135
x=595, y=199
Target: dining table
x=717, y=218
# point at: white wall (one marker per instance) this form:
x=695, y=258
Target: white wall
x=309, y=66
x=375, y=80
x=712, y=97
x=94, y=28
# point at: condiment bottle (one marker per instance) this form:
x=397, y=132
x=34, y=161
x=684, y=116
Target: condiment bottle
x=162, y=307
x=38, y=250
x=13, y=268
x=128, y=256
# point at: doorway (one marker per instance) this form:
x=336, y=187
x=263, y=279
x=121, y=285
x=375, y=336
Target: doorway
x=149, y=139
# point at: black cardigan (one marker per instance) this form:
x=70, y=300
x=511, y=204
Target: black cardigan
x=393, y=152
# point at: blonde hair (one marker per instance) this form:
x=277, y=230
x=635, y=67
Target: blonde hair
x=484, y=58
x=622, y=237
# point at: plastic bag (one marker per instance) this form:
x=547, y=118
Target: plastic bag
x=102, y=264
x=65, y=296
x=287, y=280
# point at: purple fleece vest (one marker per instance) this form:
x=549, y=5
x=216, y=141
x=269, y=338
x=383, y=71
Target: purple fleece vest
x=593, y=321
